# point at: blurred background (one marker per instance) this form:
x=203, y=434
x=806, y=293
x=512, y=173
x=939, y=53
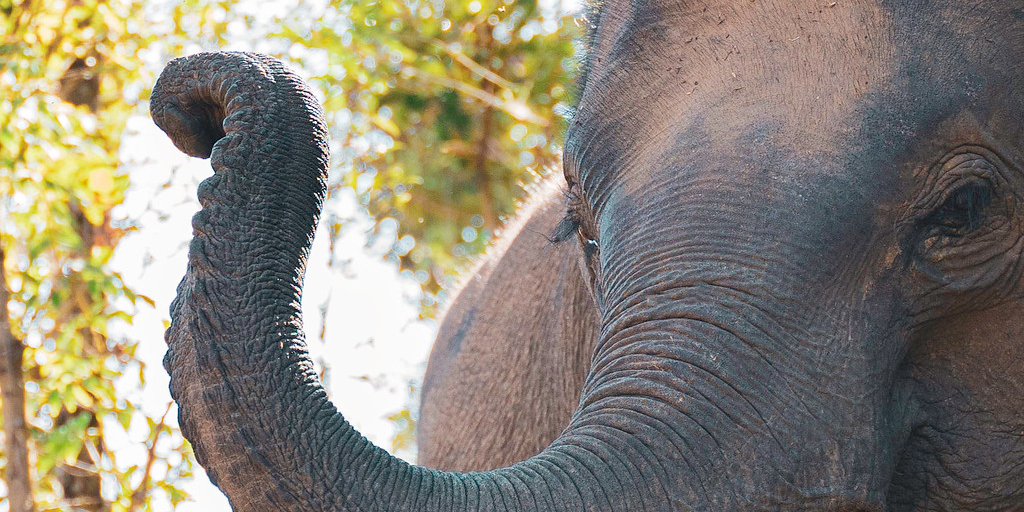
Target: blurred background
x=442, y=113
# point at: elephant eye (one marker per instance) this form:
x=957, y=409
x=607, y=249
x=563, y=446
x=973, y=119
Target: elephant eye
x=963, y=210
x=590, y=248
x=965, y=229
x=574, y=222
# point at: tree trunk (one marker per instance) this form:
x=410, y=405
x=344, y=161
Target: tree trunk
x=16, y=474
x=81, y=483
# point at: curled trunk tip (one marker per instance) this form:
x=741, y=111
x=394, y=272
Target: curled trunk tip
x=193, y=117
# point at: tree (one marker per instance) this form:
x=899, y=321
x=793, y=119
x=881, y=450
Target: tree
x=68, y=82
x=445, y=110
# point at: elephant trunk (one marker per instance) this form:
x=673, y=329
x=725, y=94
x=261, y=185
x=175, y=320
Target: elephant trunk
x=250, y=402
x=236, y=357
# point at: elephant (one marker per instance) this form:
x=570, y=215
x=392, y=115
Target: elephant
x=799, y=223
x=513, y=348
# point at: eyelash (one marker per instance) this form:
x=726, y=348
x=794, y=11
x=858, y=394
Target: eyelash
x=566, y=228
x=573, y=223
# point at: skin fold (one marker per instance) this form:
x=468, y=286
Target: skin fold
x=800, y=225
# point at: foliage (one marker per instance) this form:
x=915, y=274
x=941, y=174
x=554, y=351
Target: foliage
x=445, y=110
x=69, y=79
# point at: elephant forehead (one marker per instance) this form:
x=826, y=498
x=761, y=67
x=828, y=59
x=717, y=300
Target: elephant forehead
x=651, y=64
x=853, y=86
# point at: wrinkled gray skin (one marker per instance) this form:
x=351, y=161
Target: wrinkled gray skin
x=807, y=247
x=514, y=347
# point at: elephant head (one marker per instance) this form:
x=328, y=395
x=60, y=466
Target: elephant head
x=800, y=223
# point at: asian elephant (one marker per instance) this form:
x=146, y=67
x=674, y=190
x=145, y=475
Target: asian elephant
x=513, y=349
x=800, y=223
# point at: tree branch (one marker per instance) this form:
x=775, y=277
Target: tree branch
x=139, y=496
x=481, y=175
x=516, y=108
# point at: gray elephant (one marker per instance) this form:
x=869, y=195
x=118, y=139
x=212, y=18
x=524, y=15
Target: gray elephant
x=801, y=228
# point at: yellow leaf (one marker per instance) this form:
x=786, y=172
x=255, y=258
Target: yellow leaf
x=81, y=396
x=101, y=181
x=387, y=125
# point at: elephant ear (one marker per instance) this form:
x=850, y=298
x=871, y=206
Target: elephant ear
x=513, y=350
